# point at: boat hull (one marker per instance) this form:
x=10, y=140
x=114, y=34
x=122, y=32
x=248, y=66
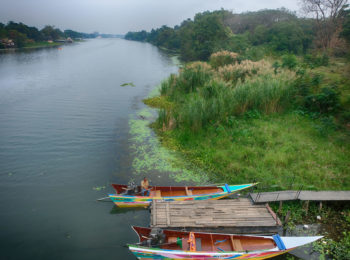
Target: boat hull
x=175, y=244
x=139, y=201
x=146, y=254
x=145, y=201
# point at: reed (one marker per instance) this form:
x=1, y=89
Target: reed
x=202, y=96
x=223, y=58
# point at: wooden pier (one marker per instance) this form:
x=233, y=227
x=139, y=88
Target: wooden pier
x=265, y=197
x=237, y=216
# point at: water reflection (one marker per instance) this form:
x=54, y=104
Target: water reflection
x=117, y=210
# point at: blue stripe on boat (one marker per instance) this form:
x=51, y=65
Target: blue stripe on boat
x=279, y=242
x=227, y=188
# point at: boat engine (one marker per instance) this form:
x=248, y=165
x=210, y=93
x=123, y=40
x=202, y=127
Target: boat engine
x=156, y=238
x=132, y=189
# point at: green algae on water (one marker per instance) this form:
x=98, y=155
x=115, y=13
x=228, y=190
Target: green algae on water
x=150, y=155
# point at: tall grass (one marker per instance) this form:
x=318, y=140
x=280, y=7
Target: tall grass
x=223, y=58
x=203, y=96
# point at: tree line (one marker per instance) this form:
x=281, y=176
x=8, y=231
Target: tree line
x=255, y=33
x=21, y=34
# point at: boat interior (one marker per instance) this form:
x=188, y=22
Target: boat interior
x=177, y=240
x=183, y=191
x=159, y=191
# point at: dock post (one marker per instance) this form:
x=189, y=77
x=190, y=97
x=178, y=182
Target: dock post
x=280, y=208
x=287, y=217
x=307, y=206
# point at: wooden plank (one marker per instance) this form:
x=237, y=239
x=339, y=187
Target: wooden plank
x=273, y=214
x=232, y=243
x=237, y=245
x=300, y=195
x=154, y=213
x=167, y=214
x=241, y=214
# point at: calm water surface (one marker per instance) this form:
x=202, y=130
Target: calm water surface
x=63, y=132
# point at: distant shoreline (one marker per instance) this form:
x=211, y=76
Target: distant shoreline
x=37, y=46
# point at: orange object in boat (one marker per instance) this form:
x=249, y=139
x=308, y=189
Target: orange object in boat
x=192, y=241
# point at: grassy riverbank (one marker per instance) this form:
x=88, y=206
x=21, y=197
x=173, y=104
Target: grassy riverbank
x=281, y=122
x=41, y=45
x=34, y=45
x=241, y=121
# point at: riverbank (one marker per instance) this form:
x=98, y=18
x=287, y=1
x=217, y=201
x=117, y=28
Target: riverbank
x=251, y=121
x=244, y=122
x=36, y=45
x=331, y=221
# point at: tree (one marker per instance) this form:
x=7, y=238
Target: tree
x=287, y=36
x=19, y=38
x=346, y=25
x=328, y=16
x=51, y=33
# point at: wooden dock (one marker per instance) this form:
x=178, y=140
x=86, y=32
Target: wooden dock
x=237, y=216
x=265, y=197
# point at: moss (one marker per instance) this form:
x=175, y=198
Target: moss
x=150, y=155
x=158, y=102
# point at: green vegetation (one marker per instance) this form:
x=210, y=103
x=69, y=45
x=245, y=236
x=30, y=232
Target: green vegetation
x=19, y=35
x=152, y=159
x=268, y=101
x=251, y=34
x=41, y=44
x=241, y=121
x=334, y=220
x=127, y=84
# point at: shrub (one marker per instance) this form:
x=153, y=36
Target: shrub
x=223, y=58
x=289, y=61
x=247, y=68
x=191, y=77
x=266, y=94
x=327, y=101
x=254, y=53
x=314, y=61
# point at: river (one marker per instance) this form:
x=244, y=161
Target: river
x=64, y=136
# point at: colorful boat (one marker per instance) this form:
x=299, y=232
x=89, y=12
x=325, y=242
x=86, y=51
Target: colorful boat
x=171, y=244
x=131, y=197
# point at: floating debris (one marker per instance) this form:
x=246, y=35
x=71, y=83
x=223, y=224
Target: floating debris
x=127, y=84
x=99, y=188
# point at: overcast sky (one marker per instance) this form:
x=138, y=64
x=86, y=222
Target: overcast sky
x=121, y=16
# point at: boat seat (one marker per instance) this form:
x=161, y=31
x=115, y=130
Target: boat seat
x=186, y=245
x=188, y=192
x=237, y=246
x=155, y=193
x=199, y=244
x=172, y=240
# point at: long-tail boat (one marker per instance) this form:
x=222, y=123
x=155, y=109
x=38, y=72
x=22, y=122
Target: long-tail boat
x=131, y=196
x=171, y=244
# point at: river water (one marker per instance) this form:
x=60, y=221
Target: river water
x=64, y=136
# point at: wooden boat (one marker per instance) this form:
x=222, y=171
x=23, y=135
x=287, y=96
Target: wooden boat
x=127, y=197
x=171, y=244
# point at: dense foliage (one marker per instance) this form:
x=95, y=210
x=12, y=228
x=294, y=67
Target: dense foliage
x=252, y=34
x=277, y=30
x=22, y=34
x=276, y=121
